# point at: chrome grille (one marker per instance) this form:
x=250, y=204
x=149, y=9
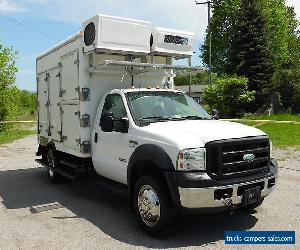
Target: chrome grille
x=226, y=158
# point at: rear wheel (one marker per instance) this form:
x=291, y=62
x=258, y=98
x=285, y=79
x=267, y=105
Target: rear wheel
x=153, y=206
x=52, y=163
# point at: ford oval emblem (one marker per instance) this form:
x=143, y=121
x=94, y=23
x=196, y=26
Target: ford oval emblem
x=249, y=157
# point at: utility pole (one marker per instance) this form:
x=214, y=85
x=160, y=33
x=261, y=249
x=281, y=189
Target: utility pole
x=209, y=5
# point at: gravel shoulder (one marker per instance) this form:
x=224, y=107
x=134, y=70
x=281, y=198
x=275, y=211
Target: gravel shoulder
x=93, y=215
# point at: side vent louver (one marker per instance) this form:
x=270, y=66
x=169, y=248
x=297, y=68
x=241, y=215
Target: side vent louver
x=176, y=40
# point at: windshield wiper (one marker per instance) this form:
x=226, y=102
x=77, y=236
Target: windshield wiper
x=160, y=118
x=153, y=117
x=192, y=117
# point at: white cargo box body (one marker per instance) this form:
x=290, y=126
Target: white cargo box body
x=72, y=77
x=69, y=94
x=122, y=35
x=172, y=42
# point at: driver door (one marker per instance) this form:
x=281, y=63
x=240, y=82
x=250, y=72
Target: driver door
x=111, y=149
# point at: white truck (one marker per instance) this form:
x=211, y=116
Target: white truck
x=107, y=107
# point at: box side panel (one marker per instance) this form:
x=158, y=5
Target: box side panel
x=54, y=104
x=70, y=76
x=62, y=68
x=70, y=125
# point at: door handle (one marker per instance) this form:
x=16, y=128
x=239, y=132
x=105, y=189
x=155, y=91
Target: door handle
x=96, y=137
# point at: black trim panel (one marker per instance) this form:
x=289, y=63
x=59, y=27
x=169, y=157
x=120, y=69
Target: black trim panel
x=177, y=179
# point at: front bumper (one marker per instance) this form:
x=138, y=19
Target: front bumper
x=197, y=192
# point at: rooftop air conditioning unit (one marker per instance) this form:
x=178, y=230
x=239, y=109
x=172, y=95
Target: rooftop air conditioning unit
x=172, y=42
x=117, y=35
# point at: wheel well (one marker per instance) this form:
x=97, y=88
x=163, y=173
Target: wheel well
x=145, y=167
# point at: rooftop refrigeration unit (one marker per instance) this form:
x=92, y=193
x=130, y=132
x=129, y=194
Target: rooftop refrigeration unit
x=178, y=44
x=114, y=34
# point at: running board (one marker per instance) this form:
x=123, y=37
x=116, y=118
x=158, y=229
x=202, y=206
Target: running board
x=69, y=164
x=41, y=162
x=65, y=173
x=60, y=171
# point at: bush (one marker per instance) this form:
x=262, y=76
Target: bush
x=9, y=103
x=229, y=95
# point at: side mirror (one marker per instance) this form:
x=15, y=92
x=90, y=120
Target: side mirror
x=107, y=121
x=215, y=114
x=121, y=125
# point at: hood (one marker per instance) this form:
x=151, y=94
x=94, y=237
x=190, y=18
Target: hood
x=196, y=133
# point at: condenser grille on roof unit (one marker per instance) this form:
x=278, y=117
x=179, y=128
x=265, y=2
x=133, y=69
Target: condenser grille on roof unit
x=89, y=34
x=176, y=40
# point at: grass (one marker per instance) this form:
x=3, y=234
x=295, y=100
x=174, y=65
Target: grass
x=27, y=114
x=12, y=132
x=282, y=135
x=10, y=135
x=275, y=117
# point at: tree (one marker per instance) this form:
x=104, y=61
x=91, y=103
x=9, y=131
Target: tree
x=28, y=99
x=9, y=94
x=249, y=54
x=197, y=79
x=226, y=14
x=222, y=27
x=229, y=95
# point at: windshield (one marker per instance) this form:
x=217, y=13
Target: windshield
x=154, y=106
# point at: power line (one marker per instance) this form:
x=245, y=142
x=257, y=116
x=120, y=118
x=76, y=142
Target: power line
x=30, y=28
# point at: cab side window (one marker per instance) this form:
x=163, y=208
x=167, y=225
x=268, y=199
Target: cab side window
x=114, y=103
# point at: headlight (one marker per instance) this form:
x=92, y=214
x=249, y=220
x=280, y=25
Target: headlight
x=191, y=159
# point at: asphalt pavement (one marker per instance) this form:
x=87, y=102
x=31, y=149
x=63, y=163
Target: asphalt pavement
x=35, y=214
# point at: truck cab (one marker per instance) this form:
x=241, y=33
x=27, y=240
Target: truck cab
x=107, y=107
x=158, y=140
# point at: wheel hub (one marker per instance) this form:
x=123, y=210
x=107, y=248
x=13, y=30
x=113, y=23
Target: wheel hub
x=149, y=205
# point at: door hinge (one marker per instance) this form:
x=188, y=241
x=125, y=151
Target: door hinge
x=85, y=121
x=47, y=76
x=84, y=94
x=85, y=147
x=61, y=92
x=76, y=61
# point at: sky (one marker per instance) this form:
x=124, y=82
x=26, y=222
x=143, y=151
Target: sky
x=33, y=26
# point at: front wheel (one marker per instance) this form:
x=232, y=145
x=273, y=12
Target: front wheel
x=153, y=207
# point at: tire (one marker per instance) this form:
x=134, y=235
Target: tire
x=153, y=207
x=250, y=207
x=52, y=163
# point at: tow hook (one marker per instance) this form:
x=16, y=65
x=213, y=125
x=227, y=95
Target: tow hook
x=227, y=201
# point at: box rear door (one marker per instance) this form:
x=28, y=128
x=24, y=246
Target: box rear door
x=43, y=111
x=54, y=99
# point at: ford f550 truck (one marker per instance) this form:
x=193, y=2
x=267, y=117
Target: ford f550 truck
x=107, y=106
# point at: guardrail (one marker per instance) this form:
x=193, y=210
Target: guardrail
x=13, y=122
